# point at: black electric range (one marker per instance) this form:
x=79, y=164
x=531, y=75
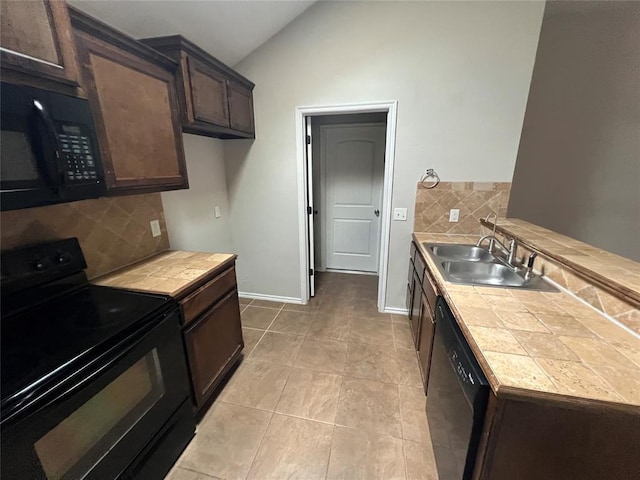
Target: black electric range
x=93, y=379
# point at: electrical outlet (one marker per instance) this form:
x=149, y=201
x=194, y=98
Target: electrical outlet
x=454, y=215
x=400, y=214
x=216, y=210
x=155, y=228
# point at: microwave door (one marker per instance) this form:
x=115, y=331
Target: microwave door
x=47, y=140
x=28, y=157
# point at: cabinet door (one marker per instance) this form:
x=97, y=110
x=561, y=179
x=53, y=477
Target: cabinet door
x=416, y=309
x=425, y=345
x=213, y=342
x=208, y=94
x=135, y=108
x=36, y=39
x=240, y=107
x=410, y=288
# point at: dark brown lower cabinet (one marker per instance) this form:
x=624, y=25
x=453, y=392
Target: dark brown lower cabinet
x=214, y=342
x=425, y=344
x=421, y=301
x=414, y=314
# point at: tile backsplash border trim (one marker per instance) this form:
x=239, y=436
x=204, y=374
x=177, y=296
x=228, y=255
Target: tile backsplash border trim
x=608, y=300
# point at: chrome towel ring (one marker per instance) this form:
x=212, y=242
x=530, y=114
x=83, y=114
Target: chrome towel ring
x=430, y=179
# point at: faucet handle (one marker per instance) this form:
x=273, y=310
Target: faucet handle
x=532, y=258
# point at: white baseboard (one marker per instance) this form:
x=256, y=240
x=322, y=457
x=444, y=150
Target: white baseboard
x=271, y=298
x=396, y=311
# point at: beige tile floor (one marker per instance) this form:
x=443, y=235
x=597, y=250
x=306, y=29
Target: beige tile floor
x=328, y=390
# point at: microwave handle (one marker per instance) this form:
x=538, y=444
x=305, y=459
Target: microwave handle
x=55, y=180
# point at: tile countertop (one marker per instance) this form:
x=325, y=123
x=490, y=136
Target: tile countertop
x=540, y=344
x=171, y=272
x=621, y=273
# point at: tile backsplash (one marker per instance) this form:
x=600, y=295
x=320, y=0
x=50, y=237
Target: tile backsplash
x=112, y=231
x=474, y=199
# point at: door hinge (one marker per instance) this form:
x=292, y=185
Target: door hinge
x=311, y=272
x=309, y=210
x=308, y=139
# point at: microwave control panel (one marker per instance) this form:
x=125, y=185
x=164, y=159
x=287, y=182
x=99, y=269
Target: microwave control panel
x=79, y=161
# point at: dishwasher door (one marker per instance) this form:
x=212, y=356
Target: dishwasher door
x=456, y=399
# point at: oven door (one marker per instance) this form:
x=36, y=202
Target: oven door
x=95, y=426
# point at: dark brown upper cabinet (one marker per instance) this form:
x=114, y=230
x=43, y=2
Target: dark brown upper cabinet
x=133, y=96
x=37, y=46
x=215, y=100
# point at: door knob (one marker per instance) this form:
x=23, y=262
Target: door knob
x=377, y=212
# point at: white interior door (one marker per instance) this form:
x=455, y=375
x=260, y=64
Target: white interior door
x=310, y=209
x=353, y=174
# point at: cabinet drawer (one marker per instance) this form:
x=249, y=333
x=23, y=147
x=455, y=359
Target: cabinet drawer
x=208, y=294
x=430, y=292
x=213, y=342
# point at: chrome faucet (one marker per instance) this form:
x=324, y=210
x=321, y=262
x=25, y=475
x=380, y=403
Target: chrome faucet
x=493, y=233
x=509, y=252
x=528, y=271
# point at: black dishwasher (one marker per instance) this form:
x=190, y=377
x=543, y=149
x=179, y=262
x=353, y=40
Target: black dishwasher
x=456, y=399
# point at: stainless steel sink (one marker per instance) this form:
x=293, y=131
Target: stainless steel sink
x=468, y=253
x=482, y=273
x=472, y=265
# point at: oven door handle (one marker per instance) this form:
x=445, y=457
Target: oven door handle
x=51, y=150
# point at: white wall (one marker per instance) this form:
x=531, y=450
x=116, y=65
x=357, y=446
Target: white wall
x=578, y=168
x=460, y=72
x=191, y=222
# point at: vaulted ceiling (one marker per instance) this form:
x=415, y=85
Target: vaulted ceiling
x=229, y=30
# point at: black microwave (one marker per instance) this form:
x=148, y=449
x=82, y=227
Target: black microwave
x=48, y=149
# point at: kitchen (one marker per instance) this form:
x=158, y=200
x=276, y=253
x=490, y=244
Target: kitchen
x=457, y=71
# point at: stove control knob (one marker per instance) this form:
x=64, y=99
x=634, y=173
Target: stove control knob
x=39, y=265
x=64, y=257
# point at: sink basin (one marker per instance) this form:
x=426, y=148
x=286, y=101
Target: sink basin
x=468, y=253
x=491, y=275
x=472, y=265
x=482, y=273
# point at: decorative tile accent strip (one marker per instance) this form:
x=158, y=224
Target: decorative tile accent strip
x=618, y=273
x=619, y=308
x=112, y=231
x=474, y=199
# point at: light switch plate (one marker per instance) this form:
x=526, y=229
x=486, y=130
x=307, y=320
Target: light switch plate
x=155, y=228
x=454, y=215
x=216, y=210
x=400, y=214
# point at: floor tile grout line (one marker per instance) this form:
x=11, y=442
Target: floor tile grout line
x=195, y=471
x=265, y=331
x=255, y=454
x=404, y=458
x=333, y=437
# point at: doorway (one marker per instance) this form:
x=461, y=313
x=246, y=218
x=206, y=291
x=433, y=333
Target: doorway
x=347, y=176
x=345, y=171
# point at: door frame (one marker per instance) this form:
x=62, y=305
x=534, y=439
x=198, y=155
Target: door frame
x=391, y=109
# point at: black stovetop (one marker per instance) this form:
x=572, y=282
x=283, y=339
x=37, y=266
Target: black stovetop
x=46, y=340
